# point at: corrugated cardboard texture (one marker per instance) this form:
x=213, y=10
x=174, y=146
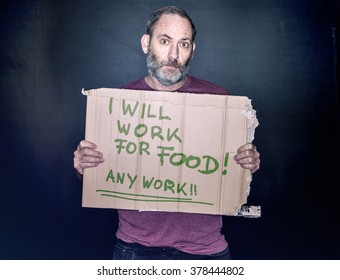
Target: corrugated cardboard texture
x=168, y=151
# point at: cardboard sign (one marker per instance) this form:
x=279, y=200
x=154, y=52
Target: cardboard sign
x=167, y=151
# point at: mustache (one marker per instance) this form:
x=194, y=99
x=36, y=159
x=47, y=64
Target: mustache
x=171, y=63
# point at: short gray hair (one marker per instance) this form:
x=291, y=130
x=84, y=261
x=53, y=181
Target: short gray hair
x=167, y=11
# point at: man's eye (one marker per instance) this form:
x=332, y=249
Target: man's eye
x=164, y=42
x=185, y=45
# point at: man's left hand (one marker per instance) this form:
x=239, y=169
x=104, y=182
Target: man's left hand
x=248, y=157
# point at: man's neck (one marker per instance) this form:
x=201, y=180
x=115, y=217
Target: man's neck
x=154, y=84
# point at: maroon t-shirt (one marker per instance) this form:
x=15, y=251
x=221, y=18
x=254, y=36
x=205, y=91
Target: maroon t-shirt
x=191, y=233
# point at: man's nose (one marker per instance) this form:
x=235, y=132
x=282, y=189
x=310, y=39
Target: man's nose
x=173, y=52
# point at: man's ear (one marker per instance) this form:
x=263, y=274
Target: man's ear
x=193, y=50
x=145, y=43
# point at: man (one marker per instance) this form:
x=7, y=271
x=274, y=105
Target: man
x=169, y=46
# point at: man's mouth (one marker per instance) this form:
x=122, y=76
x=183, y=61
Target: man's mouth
x=171, y=66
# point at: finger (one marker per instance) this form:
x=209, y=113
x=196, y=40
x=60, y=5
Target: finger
x=90, y=159
x=247, y=160
x=86, y=162
x=80, y=160
x=81, y=166
x=247, y=154
x=89, y=164
x=90, y=153
x=248, y=146
x=251, y=167
x=86, y=144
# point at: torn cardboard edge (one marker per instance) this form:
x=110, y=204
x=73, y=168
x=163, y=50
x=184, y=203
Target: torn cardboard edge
x=248, y=112
x=245, y=211
x=249, y=211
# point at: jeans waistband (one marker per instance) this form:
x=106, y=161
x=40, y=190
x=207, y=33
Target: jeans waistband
x=146, y=249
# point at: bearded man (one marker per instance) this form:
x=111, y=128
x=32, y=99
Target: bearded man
x=169, y=45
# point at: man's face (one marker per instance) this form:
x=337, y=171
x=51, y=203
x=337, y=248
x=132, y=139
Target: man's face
x=170, y=49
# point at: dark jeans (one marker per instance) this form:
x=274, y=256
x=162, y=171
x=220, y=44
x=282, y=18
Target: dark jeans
x=134, y=251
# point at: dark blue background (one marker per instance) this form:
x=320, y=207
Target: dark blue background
x=281, y=54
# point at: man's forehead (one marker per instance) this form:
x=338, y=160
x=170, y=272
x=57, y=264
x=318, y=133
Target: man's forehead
x=173, y=25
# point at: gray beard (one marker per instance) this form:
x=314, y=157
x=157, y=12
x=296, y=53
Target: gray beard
x=166, y=77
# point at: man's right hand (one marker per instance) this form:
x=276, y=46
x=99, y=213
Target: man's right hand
x=86, y=156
